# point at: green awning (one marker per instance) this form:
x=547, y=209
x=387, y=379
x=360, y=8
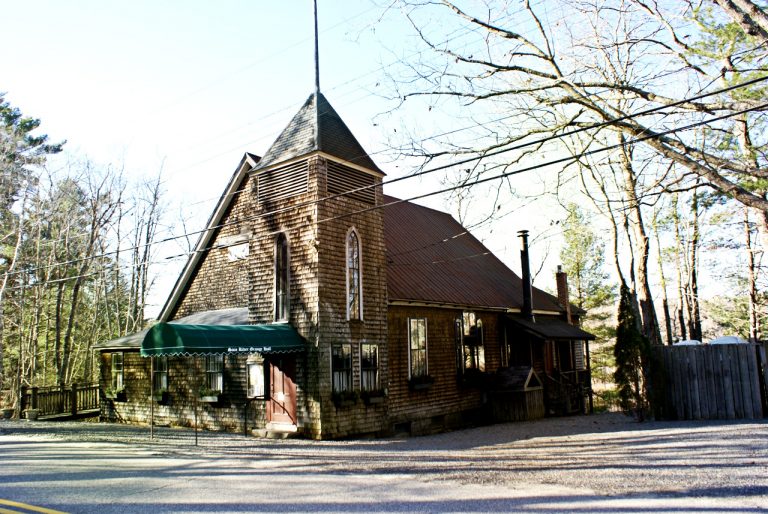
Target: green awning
x=177, y=339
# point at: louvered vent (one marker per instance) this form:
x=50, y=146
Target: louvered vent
x=343, y=178
x=284, y=182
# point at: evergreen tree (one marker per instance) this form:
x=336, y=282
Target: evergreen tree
x=631, y=353
x=583, y=256
x=20, y=151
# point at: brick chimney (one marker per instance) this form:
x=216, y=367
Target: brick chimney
x=561, y=277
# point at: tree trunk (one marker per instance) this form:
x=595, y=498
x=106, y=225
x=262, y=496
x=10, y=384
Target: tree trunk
x=694, y=314
x=679, y=263
x=10, y=271
x=748, y=15
x=57, y=350
x=754, y=329
x=665, y=300
x=650, y=322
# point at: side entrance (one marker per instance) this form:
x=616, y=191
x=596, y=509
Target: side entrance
x=281, y=407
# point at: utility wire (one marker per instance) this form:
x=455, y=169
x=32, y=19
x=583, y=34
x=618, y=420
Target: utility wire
x=450, y=165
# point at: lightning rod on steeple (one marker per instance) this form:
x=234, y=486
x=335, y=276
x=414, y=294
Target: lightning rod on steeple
x=317, y=56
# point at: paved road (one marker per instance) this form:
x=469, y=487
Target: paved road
x=590, y=464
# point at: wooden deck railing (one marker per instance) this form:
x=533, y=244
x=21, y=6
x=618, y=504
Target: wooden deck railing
x=58, y=400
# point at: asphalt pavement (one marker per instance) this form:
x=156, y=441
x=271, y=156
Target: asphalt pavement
x=605, y=463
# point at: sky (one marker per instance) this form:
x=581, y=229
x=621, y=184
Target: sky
x=188, y=87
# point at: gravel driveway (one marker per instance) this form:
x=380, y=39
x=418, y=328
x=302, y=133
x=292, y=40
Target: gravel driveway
x=585, y=460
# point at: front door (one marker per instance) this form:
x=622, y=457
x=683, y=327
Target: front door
x=281, y=407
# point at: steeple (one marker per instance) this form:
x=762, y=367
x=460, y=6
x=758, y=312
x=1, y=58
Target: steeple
x=317, y=127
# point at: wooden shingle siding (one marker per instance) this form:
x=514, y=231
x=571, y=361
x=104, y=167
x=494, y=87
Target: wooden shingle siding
x=185, y=374
x=449, y=401
x=271, y=219
x=335, y=328
x=219, y=282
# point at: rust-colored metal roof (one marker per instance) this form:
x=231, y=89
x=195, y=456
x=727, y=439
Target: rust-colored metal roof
x=551, y=328
x=432, y=258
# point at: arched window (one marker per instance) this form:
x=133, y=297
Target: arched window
x=354, y=297
x=282, y=296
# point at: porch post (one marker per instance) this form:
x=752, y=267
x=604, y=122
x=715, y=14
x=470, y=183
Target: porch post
x=589, y=378
x=151, y=397
x=73, y=399
x=195, y=393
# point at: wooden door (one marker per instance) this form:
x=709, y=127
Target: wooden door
x=281, y=407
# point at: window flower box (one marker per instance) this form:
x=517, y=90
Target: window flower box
x=421, y=383
x=161, y=397
x=344, y=398
x=209, y=395
x=374, y=397
x=475, y=378
x=117, y=395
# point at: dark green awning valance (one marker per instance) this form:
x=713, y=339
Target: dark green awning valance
x=177, y=339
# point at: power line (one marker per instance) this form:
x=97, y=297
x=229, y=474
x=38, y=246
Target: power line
x=450, y=165
x=425, y=195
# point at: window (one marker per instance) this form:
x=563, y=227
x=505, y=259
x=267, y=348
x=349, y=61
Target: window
x=341, y=367
x=369, y=367
x=117, y=371
x=160, y=374
x=282, y=297
x=354, y=299
x=256, y=382
x=417, y=342
x=472, y=342
x=214, y=372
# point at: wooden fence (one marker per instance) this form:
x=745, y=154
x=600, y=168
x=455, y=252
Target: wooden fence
x=709, y=382
x=61, y=400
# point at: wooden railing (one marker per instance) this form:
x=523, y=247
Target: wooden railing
x=61, y=400
x=564, y=391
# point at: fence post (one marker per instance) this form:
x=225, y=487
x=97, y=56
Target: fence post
x=22, y=400
x=73, y=399
x=34, y=399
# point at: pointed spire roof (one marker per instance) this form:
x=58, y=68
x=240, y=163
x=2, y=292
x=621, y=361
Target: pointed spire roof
x=317, y=127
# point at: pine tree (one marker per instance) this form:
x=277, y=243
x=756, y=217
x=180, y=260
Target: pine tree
x=631, y=353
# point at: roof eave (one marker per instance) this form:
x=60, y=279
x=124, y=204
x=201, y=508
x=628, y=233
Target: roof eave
x=459, y=306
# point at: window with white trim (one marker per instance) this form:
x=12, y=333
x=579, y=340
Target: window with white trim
x=160, y=374
x=214, y=372
x=282, y=293
x=473, y=342
x=341, y=367
x=118, y=376
x=417, y=344
x=354, y=297
x=369, y=367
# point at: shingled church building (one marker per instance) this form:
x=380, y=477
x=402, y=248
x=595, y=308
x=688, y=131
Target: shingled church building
x=315, y=304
